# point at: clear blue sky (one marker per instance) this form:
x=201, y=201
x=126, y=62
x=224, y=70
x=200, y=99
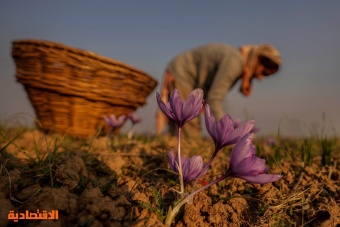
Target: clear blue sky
x=147, y=34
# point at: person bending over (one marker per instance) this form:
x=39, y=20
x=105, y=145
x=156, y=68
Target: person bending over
x=215, y=68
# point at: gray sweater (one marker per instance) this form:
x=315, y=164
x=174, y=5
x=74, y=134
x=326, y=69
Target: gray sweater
x=213, y=67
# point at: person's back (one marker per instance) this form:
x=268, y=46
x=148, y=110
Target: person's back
x=197, y=67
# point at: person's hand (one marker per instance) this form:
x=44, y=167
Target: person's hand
x=246, y=89
x=246, y=83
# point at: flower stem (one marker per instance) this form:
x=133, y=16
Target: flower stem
x=131, y=132
x=211, y=159
x=173, y=212
x=109, y=138
x=207, y=165
x=181, y=182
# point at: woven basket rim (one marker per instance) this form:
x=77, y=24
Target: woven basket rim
x=78, y=51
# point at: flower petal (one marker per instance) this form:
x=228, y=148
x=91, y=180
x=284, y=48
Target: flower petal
x=165, y=107
x=193, y=105
x=134, y=119
x=254, y=130
x=113, y=121
x=196, y=163
x=176, y=105
x=120, y=120
x=172, y=161
x=113, y=118
x=240, y=132
x=262, y=178
x=210, y=122
x=224, y=128
x=237, y=123
x=241, y=150
x=192, y=169
x=107, y=119
x=250, y=166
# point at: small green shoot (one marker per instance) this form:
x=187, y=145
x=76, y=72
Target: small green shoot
x=160, y=209
x=11, y=141
x=327, y=148
x=307, y=153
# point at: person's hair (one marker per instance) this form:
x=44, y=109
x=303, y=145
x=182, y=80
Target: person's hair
x=268, y=63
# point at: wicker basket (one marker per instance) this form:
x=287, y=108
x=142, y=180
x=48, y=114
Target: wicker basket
x=71, y=89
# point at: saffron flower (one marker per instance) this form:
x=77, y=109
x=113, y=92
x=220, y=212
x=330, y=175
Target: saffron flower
x=181, y=112
x=245, y=165
x=271, y=141
x=238, y=123
x=192, y=168
x=134, y=119
x=113, y=121
x=223, y=131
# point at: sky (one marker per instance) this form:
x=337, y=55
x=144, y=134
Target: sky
x=147, y=34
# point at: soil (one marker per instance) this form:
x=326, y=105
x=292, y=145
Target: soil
x=129, y=185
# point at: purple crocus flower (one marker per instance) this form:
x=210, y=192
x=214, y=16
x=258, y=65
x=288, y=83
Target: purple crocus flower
x=223, y=131
x=238, y=123
x=134, y=119
x=271, y=141
x=181, y=112
x=193, y=168
x=113, y=121
x=245, y=165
